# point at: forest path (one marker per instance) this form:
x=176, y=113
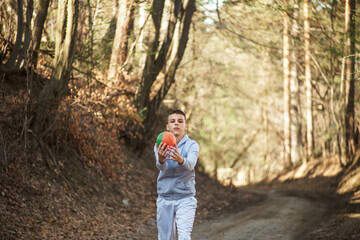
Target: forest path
x=281, y=216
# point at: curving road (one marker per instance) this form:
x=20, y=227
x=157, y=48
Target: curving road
x=280, y=217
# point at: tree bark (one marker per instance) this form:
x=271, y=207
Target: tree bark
x=56, y=88
x=92, y=25
x=185, y=21
x=245, y=149
x=144, y=34
x=38, y=28
x=348, y=85
x=120, y=44
x=156, y=62
x=150, y=70
x=27, y=35
x=181, y=14
x=20, y=30
x=308, y=87
x=295, y=103
x=286, y=69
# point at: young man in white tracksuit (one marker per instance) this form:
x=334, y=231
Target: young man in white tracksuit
x=176, y=202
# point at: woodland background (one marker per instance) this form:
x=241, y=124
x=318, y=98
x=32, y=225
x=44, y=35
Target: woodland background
x=266, y=85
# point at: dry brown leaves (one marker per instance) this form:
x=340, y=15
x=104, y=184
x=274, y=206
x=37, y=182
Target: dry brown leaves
x=94, y=119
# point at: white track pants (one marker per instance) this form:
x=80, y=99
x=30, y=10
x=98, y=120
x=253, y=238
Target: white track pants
x=172, y=214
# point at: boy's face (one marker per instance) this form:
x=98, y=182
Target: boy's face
x=176, y=124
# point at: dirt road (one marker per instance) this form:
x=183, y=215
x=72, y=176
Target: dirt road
x=281, y=216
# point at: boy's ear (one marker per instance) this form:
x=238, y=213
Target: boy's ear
x=167, y=127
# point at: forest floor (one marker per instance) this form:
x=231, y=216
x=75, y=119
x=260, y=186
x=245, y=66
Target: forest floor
x=36, y=203
x=301, y=204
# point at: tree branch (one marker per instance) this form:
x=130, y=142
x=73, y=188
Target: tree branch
x=244, y=150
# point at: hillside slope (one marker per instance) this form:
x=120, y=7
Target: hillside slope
x=53, y=189
x=78, y=203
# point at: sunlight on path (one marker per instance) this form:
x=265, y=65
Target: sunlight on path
x=278, y=217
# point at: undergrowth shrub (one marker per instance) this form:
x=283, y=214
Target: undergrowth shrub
x=97, y=122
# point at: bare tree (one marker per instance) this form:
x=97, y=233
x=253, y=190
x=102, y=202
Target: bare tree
x=144, y=32
x=20, y=51
x=92, y=24
x=120, y=44
x=38, y=28
x=27, y=35
x=64, y=55
x=295, y=102
x=19, y=35
x=159, y=55
x=348, y=85
x=27, y=41
x=308, y=85
x=286, y=69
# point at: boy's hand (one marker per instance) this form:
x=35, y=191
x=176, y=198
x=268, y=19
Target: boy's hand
x=175, y=155
x=162, y=152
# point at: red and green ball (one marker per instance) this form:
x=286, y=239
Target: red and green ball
x=166, y=137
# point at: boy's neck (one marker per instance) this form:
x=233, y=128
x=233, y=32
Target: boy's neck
x=178, y=138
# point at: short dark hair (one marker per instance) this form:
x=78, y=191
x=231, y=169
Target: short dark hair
x=177, y=111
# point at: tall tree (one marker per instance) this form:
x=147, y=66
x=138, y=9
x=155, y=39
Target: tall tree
x=348, y=84
x=23, y=36
x=57, y=86
x=157, y=59
x=144, y=32
x=286, y=70
x=38, y=29
x=308, y=85
x=27, y=35
x=19, y=35
x=295, y=102
x=120, y=44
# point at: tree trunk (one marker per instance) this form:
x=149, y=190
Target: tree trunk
x=50, y=96
x=120, y=44
x=266, y=150
x=295, y=103
x=150, y=70
x=265, y=106
x=27, y=36
x=38, y=28
x=19, y=54
x=20, y=30
x=286, y=69
x=181, y=14
x=348, y=85
x=92, y=25
x=156, y=62
x=144, y=34
x=309, y=111
x=185, y=21
x=245, y=149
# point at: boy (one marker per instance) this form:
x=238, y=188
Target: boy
x=176, y=203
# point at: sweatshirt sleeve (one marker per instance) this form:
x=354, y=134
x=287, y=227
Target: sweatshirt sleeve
x=160, y=166
x=191, y=159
